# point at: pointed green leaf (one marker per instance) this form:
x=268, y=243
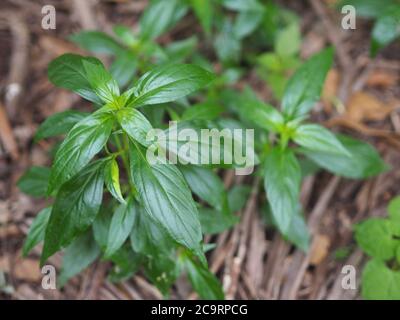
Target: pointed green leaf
x=59, y=123
x=282, y=185
x=36, y=231
x=78, y=256
x=75, y=208
x=34, y=181
x=169, y=83
x=82, y=143
x=304, y=88
x=111, y=179
x=135, y=124
x=97, y=42
x=167, y=199
x=316, y=138
x=120, y=228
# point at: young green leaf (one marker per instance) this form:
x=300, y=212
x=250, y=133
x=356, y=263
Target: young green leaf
x=169, y=83
x=246, y=22
x=288, y=41
x=316, y=138
x=263, y=115
x=226, y=44
x=97, y=42
x=304, y=88
x=124, y=67
x=202, y=111
x=386, y=28
x=237, y=197
x=167, y=199
x=59, y=123
x=134, y=124
x=282, y=184
x=101, y=81
x=76, y=205
x=101, y=225
x=148, y=237
x=374, y=236
x=298, y=233
x=34, y=181
x=394, y=209
x=111, y=179
x=379, y=282
x=205, y=184
x=214, y=221
x=160, y=16
x=67, y=72
x=204, y=12
x=36, y=231
x=203, y=281
x=126, y=263
x=364, y=160
x=121, y=226
x=82, y=143
x=78, y=256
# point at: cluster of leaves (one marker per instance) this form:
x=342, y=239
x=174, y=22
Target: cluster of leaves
x=110, y=202
x=151, y=221
x=379, y=238
x=281, y=160
x=386, y=14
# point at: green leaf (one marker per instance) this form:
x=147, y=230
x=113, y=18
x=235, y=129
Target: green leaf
x=316, y=138
x=120, y=228
x=124, y=67
x=226, y=44
x=204, y=12
x=288, y=41
x=126, y=35
x=101, y=81
x=148, y=237
x=298, y=233
x=111, y=179
x=379, y=282
x=167, y=199
x=202, y=111
x=394, y=209
x=364, y=160
x=134, y=124
x=126, y=262
x=243, y=5
x=247, y=22
x=75, y=208
x=162, y=271
x=36, y=231
x=374, y=236
x=203, y=281
x=97, y=42
x=304, y=88
x=179, y=51
x=368, y=8
x=282, y=185
x=237, y=197
x=82, y=143
x=59, y=123
x=101, y=225
x=216, y=221
x=386, y=28
x=78, y=256
x=160, y=16
x=169, y=83
x=205, y=184
x=34, y=181
x=263, y=115
x=67, y=72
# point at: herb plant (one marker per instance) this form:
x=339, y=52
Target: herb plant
x=285, y=140
x=150, y=220
x=379, y=238
x=386, y=14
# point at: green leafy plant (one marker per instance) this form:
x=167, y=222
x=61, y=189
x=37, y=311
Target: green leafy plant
x=379, y=238
x=386, y=14
x=147, y=219
x=284, y=141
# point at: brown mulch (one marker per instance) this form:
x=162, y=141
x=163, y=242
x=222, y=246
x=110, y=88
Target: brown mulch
x=251, y=261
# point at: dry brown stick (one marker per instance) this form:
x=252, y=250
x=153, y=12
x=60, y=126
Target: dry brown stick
x=332, y=33
x=18, y=62
x=84, y=10
x=7, y=136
